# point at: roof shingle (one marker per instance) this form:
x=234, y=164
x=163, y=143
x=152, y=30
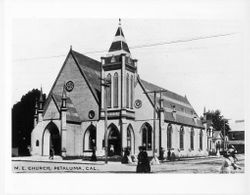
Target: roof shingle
x=92, y=69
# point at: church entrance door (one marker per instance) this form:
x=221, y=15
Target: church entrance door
x=114, y=142
x=51, y=138
x=55, y=141
x=89, y=141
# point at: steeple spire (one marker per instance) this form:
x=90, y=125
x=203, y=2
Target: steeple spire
x=119, y=44
x=40, y=106
x=36, y=113
x=204, y=111
x=41, y=95
x=41, y=100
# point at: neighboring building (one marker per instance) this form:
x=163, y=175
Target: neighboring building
x=236, y=136
x=217, y=144
x=73, y=117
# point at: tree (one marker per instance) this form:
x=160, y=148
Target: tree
x=218, y=121
x=23, y=121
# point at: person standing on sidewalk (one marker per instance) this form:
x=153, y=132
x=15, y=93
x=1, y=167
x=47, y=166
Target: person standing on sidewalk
x=51, y=153
x=93, y=157
x=143, y=165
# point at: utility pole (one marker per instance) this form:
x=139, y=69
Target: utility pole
x=160, y=128
x=224, y=132
x=224, y=144
x=106, y=83
x=154, y=120
x=154, y=125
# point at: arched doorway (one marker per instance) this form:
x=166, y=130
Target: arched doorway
x=51, y=138
x=89, y=139
x=146, y=132
x=114, y=141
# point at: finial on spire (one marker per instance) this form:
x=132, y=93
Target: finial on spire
x=40, y=106
x=120, y=22
x=70, y=47
x=204, y=111
x=41, y=94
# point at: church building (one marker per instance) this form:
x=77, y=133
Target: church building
x=87, y=94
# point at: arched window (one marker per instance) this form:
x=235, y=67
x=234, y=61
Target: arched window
x=131, y=91
x=108, y=91
x=128, y=138
x=169, y=136
x=192, y=139
x=147, y=136
x=182, y=138
x=37, y=142
x=115, y=92
x=201, y=142
x=127, y=91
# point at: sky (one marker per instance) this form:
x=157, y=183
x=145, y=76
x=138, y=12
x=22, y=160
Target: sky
x=206, y=64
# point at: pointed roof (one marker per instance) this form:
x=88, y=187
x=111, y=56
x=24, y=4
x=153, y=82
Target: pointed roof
x=91, y=70
x=119, y=44
x=170, y=99
x=217, y=135
x=150, y=87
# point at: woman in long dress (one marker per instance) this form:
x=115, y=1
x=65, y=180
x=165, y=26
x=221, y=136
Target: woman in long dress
x=143, y=165
x=228, y=163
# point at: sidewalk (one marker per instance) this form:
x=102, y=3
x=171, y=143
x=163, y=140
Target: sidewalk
x=33, y=164
x=193, y=158
x=58, y=159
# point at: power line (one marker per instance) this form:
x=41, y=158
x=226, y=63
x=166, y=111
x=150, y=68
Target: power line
x=180, y=41
x=39, y=58
x=135, y=47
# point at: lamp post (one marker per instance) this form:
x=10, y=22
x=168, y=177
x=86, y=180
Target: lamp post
x=106, y=83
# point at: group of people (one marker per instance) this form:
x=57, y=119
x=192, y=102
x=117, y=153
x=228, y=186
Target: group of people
x=229, y=163
x=143, y=163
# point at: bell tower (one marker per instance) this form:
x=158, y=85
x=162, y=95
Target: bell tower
x=120, y=69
